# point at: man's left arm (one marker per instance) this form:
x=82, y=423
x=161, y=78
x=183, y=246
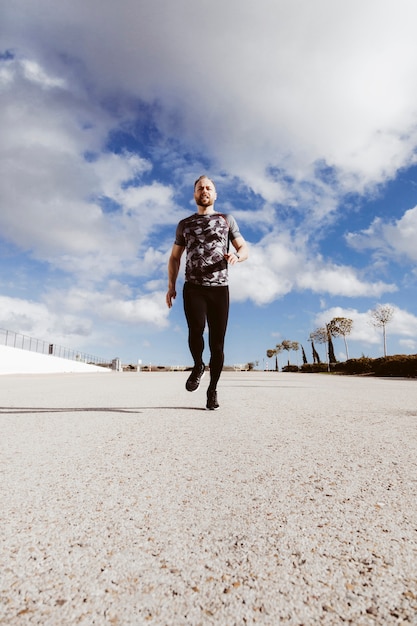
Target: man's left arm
x=241, y=252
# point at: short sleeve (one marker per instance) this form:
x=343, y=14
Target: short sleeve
x=234, y=231
x=179, y=235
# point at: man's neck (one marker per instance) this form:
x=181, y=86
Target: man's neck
x=205, y=210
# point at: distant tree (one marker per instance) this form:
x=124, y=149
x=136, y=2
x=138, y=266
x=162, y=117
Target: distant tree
x=270, y=353
x=322, y=335
x=381, y=315
x=286, y=345
x=341, y=326
x=290, y=345
x=295, y=346
x=304, y=355
x=274, y=352
x=316, y=356
x=332, y=356
x=278, y=349
x=319, y=335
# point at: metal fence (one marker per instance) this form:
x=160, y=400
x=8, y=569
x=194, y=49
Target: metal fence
x=17, y=340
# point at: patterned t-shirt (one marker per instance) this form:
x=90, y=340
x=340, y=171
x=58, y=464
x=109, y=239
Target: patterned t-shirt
x=206, y=240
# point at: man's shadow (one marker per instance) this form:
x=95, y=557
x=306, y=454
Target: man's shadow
x=133, y=410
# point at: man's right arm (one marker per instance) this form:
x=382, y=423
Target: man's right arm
x=173, y=269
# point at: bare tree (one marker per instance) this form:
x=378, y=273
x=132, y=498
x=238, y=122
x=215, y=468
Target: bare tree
x=319, y=335
x=341, y=326
x=322, y=335
x=381, y=315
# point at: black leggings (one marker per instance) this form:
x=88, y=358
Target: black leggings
x=209, y=304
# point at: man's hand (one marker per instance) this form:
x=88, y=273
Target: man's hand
x=171, y=295
x=231, y=258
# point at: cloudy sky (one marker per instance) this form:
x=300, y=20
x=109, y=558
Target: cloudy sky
x=303, y=112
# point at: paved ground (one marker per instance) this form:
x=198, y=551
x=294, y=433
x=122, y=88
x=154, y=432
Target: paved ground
x=124, y=502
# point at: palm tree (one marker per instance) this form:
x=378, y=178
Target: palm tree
x=274, y=352
x=286, y=345
x=270, y=353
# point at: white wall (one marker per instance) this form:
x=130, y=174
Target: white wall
x=16, y=361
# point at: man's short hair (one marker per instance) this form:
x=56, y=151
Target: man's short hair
x=204, y=176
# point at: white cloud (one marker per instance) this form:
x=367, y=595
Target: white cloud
x=268, y=275
x=149, y=309
x=409, y=345
x=37, y=320
x=320, y=82
x=403, y=323
x=280, y=97
x=339, y=280
x=114, y=170
x=55, y=200
x=279, y=265
x=390, y=239
x=36, y=74
x=115, y=304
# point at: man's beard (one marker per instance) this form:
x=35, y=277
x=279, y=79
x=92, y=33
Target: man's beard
x=206, y=201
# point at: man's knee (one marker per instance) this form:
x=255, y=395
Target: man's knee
x=196, y=330
x=217, y=348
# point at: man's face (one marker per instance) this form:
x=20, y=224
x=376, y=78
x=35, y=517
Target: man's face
x=205, y=193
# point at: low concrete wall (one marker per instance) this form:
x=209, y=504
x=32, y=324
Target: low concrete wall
x=16, y=361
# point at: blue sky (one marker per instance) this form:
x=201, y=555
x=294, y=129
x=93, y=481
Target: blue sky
x=305, y=115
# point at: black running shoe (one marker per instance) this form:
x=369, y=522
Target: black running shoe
x=193, y=381
x=212, y=404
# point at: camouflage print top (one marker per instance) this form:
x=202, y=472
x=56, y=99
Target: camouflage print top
x=206, y=240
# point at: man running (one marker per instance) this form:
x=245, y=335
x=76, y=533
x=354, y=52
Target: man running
x=205, y=236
